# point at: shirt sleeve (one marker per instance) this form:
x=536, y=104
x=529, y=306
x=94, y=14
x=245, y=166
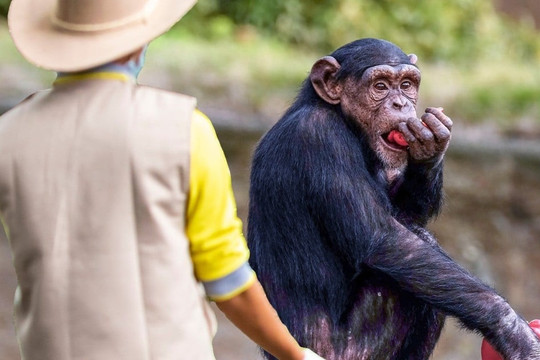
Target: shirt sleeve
x=218, y=247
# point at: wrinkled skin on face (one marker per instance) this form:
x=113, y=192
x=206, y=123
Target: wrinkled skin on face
x=382, y=100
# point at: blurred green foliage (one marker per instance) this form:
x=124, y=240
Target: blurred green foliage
x=476, y=63
x=494, y=61
x=499, y=93
x=453, y=30
x=4, y=5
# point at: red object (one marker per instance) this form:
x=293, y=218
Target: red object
x=397, y=137
x=535, y=325
x=489, y=353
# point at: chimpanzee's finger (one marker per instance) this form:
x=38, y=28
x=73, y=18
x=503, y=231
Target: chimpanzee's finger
x=440, y=131
x=441, y=116
x=407, y=134
x=421, y=132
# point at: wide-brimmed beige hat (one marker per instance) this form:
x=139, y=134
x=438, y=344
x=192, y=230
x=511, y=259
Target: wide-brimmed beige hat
x=74, y=35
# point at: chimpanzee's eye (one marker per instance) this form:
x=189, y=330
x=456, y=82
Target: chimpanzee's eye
x=406, y=85
x=380, y=86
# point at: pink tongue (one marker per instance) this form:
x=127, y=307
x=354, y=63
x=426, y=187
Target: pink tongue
x=397, y=137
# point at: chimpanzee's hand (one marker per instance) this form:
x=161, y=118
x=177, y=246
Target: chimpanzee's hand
x=429, y=137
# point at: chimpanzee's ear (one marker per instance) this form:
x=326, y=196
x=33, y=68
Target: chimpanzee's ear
x=323, y=78
x=413, y=58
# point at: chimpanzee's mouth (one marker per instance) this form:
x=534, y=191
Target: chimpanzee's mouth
x=386, y=140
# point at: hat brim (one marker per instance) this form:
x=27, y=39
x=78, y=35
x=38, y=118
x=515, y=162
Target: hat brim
x=49, y=47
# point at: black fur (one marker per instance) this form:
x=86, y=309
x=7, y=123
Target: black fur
x=359, y=55
x=343, y=256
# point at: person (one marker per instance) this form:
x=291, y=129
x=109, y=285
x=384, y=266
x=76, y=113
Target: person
x=117, y=199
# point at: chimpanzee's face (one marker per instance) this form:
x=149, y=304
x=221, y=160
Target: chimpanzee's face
x=383, y=97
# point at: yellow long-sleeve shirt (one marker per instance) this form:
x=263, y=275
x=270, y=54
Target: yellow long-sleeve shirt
x=218, y=247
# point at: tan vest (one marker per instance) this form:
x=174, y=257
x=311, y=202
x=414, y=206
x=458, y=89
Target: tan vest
x=94, y=179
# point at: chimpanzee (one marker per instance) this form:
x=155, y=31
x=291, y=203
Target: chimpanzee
x=342, y=188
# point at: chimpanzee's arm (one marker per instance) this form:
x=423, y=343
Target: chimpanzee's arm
x=425, y=270
x=419, y=196
x=360, y=228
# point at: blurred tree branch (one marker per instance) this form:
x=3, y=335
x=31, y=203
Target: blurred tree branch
x=4, y=5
